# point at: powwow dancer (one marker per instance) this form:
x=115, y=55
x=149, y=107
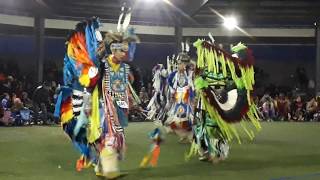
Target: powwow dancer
x=171, y=104
x=181, y=93
x=223, y=83
x=94, y=101
x=157, y=110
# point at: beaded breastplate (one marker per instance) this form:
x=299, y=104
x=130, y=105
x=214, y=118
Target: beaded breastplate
x=115, y=82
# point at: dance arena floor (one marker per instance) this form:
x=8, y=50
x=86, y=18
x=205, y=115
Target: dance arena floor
x=281, y=151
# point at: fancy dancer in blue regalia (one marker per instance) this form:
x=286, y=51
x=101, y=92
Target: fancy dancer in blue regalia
x=94, y=101
x=116, y=91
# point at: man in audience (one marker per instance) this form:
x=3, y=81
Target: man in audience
x=41, y=100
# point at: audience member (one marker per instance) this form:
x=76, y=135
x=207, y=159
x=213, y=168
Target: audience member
x=5, y=101
x=298, y=109
x=283, y=107
x=311, y=108
x=268, y=109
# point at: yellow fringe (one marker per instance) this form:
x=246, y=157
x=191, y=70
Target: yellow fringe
x=94, y=132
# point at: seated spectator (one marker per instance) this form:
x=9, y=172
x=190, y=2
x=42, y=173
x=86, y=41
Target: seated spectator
x=288, y=101
x=268, y=109
x=17, y=104
x=316, y=115
x=5, y=105
x=311, y=108
x=5, y=101
x=16, y=107
x=298, y=109
x=27, y=102
x=283, y=107
x=275, y=104
x=264, y=98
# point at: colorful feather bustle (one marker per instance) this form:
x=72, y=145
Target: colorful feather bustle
x=81, y=72
x=219, y=62
x=84, y=77
x=223, y=84
x=82, y=48
x=63, y=98
x=66, y=110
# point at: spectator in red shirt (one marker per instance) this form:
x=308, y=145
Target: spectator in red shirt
x=283, y=107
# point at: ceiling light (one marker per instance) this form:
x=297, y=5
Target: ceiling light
x=230, y=23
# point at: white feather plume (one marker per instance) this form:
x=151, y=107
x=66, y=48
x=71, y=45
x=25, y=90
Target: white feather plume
x=182, y=46
x=187, y=47
x=119, y=21
x=211, y=37
x=127, y=19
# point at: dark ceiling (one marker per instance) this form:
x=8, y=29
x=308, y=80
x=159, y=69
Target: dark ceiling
x=192, y=13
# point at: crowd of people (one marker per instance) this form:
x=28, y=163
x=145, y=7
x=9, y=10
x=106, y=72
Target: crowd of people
x=282, y=107
x=24, y=103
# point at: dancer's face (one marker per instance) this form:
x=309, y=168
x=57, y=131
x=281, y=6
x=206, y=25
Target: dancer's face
x=121, y=53
x=181, y=67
